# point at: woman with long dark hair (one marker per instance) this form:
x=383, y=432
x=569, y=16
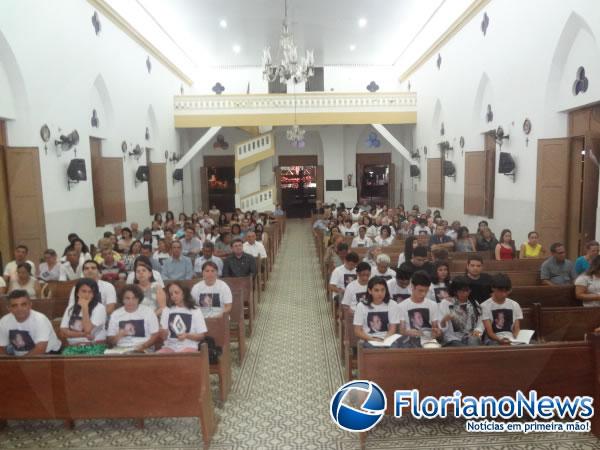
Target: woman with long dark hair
x=587, y=285
x=154, y=295
x=372, y=321
x=461, y=315
x=440, y=281
x=83, y=322
x=505, y=249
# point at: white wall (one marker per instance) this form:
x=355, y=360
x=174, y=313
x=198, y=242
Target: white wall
x=58, y=70
x=524, y=68
x=249, y=181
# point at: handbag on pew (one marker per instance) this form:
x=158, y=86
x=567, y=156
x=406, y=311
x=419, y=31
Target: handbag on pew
x=214, y=351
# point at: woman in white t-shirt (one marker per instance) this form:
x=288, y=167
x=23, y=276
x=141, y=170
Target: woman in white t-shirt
x=385, y=238
x=154, y=295
x=372, y=321
x=25, y=281
x=348, y=228
x=440, y=281
x=211, y=294
x=182, y=324
x=587, y=285
x=83, y=323
x=133, y=325
x=362, y=240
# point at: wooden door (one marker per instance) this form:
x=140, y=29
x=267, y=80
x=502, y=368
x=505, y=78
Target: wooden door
x=26, y=200
x=589, y=200
x=490, y=174
x=157, y=188
x=474, y=196
x=204, y=189
x=113, y=191
x=552, y=190
x=576, y=168
x=435, y=183
x=6, y=246
x=278, y=184
x=96, y=161
x=392, y=185
x=320, y=184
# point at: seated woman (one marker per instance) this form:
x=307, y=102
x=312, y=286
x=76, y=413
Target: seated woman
x=592, y=248
x=49, y=270
x=461, y=316
x=382, y=268
x=486, y=241
x=182, y=324
x=154, y=295
x=440, y=281
x=133, y=326
x=372, y=319
x=385, y=238
x=162, y=252
x=125, y=240
x=211, y=294
x=348, y=228
x=587, y=285
x=80, y=247
x=362, y=240
x=83, y=322
x=506, y=247
x=25, y=281
x=135, y=249
x=532, y=248
x=464, y=242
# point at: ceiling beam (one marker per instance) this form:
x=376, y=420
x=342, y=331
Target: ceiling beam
x=393, y=141
x=197, y=147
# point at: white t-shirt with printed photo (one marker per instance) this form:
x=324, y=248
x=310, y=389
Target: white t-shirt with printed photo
x=342, y=277
x=398, y=293
x=362, y=242
x=388, y=275
x=140, y=325
x=355, y=293
x=438, y=292
x=24, y=336
x=418, y=316
x=592, y=283
x=374, y=319
x=107, y=290
x=177, y=320
x=501, y=315
x=74, y=323
x=212, y=299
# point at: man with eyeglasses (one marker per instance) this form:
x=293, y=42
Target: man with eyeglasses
x=557, y=270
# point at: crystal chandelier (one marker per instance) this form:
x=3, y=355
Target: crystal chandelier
x=295, y=135
x=291, y=69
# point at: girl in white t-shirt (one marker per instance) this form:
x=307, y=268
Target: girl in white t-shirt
x=372, y=321
x=587, y=285
x=182, y=323
x=211, y=294
x=133, y=325
x=362, y=240
x=440, y=281
x=348, y=228
x=384, y=239
x=84, y=322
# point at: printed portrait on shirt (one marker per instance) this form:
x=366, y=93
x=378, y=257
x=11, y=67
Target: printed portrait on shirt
x=361, y=297
x=399, y=297
x=133, y=328
x=76, y=323
x=419, y=318
x=502, y=320
x=179, y=323
x=377, y=322
x=21, y=340
x=349, y=278
x=441, y=293
x=208, y=300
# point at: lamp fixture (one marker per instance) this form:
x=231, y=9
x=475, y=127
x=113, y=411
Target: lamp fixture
x=295, y=134
x=291, y=69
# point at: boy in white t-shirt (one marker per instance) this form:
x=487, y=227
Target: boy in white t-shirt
x=356, y=291
x=25, y=332
x=501, y=316
x=399, y=286
x=343, y=275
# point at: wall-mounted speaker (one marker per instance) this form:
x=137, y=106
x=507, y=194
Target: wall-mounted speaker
x=76, y=172
x=415, y=171
x=449, y=169
x=142, y=174
x=178, y=174
x=506, y=165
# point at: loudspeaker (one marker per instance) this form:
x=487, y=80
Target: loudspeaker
x=506, y=165
x=449, y=169
x=142, y=174
x=76, y=170
x=178, y=174
x=414, y=171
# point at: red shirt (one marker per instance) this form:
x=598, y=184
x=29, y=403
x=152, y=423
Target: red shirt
x=506, y=253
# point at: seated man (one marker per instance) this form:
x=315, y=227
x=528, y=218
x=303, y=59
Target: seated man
x=440, y=240
x=110, y=269
x=25, y=332
x=208, y=255
x=501, y=316
x=239, y=264
x=557, y=270
x=190, y=244
x=178, y=266
x=72, y=268
x=10, y=271
x=419, y=261
x=147, y=252
x=253, y=247
x=356, y=291
x=341, y=251
x=479, y=282
x=343, y=275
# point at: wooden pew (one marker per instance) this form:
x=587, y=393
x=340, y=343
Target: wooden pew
x=108, y=387
x=562, y=369
x=545, y=295
x=492, y=265
x=567, y=323
x=517, y=278
x=218, y=329
x=61, y=289
x=52, y=308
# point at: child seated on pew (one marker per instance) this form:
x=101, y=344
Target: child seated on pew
x=460, y=315
x=399, y=286
x=356, y=291
x=373, y=320
x=182, y=323
x=501, y=316
x=418, y=316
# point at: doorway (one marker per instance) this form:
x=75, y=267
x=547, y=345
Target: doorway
x=375, y=178
x=217, y=179
x=298, y=190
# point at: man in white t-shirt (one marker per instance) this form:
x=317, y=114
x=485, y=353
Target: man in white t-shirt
x=343, y=275
x=72, y=268
x=25, y=332
x=10, y=271
x=356, y=291
x=91, y=269
x=500, y=315
x=382, y=268
x=418, y=316
x=253, y=247
x=399, y=286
